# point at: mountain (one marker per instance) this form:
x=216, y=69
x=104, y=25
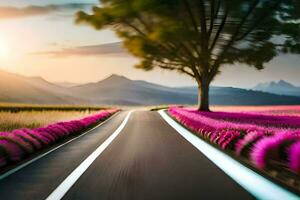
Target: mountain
x=66, y=84
x=280, y=87
x=123, y=91
x=119, y=90
x=20, y=89
x=238, y=96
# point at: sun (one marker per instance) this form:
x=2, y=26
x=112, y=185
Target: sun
x=4, y=51
x=4, y=48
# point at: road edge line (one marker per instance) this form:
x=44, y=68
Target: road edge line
x=254, y=183
x=64, y=187
x=14, y=170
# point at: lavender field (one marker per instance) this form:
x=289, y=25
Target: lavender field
x=269, y=142
x=20, y=143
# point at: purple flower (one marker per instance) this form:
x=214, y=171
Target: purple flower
x=17, y=144
x=25, y=146
x=12, y=152
x=272, y=149
x=243, y=145
x=294, y=157
x=263, y=138
x=27, y=138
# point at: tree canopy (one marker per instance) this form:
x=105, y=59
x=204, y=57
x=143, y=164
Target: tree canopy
x=198, y=37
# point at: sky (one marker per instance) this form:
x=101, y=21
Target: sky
x=41, y=40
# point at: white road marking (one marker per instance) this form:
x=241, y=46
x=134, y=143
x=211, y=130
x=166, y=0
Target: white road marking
x=254, y=183
x=63, y=188
x=14, y=170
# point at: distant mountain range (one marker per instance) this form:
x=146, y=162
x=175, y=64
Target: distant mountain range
x=66, y=84
x=119, y=90
x=21, y=89
x=280, y=87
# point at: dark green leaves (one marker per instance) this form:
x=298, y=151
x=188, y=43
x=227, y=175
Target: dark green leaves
x=198, y=36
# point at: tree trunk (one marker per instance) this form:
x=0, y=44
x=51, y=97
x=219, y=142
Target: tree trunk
x=203, y=96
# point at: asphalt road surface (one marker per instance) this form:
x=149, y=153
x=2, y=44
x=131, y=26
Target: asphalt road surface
x=147, y=160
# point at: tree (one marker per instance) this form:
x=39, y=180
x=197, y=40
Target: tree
x=198, y=37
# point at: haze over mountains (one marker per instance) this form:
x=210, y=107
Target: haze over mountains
x=66, y=84
x=20, y=89
x=280, y=87
x=119, y=90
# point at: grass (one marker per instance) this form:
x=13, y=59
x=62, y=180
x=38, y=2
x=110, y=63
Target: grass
x=17, y=116
x=33, y=119
x=11, y=107
x=20, y=143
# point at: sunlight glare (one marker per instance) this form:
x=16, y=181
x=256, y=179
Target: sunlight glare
x=4, y=50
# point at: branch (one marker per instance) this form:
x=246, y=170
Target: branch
x=221, y=27
x=194, y=46
x=194, y=22
x=260, y=20
x=218, y=8
x=174, y=68
x=188, y=7
x=203, y=26
x=165, y=47
x=214, y=14
x=196, y=75
x=142, y=21
x=134, y=28
x=189, y=59
x=216, y=65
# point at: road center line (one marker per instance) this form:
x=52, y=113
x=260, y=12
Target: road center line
x=63, y=188
x=254, y=183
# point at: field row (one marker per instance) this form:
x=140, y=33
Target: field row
x=268, y=142
x=16, y=145
x=10, y=121
x=10, y=107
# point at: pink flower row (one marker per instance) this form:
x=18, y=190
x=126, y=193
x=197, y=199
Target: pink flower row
x=17, y=144
x=263, y=144
x=255, y=118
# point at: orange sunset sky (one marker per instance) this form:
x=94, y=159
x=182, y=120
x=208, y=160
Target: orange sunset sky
x=40, y=38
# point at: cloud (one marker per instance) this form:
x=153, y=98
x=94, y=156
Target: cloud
x=91, y=50
x=30, y=11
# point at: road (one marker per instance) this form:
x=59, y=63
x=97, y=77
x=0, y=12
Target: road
x=147, y=160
